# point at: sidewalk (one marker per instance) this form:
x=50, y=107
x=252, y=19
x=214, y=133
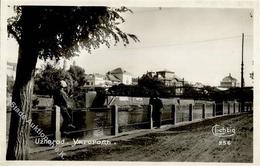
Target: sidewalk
x=143, y=145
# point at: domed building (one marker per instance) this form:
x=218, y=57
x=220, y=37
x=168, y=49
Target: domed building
x=228, y=82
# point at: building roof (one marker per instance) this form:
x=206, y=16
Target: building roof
x=178, y=78
x=112, y=78
x=119, y=70
x=228, y=78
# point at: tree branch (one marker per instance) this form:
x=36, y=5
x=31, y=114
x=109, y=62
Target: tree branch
x=11, y=31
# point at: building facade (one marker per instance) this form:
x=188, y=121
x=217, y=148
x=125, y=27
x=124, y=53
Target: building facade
x=169, y=78
x=122, y=75
x=114, y=77
x=96, y=80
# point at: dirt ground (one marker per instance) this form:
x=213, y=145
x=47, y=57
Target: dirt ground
x=193, y=142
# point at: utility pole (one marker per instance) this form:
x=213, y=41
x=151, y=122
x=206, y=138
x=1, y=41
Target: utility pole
x=242, y=63
x=242, y=76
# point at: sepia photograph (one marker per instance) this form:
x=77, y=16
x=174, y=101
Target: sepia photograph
x=129, y=83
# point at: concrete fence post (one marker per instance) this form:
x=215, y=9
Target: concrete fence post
x=150, y=114
x=114, y=116
x=203, y=111
x=214, y=109
x=190, y=112
x=57, y=121
x=228, y=108
x=173, y=114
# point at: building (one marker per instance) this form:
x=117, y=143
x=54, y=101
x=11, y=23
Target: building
x=11, y=70
x=228, y=82
x=114, y=77
x=122, y=75
x=96, y=80
x=169, y=78
x=114, y=80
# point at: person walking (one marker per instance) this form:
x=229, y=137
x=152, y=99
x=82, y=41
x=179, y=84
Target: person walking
x=62, y=100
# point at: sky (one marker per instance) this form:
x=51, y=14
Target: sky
x=198, y=44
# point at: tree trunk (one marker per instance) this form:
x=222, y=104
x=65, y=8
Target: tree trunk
x=19, y=132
